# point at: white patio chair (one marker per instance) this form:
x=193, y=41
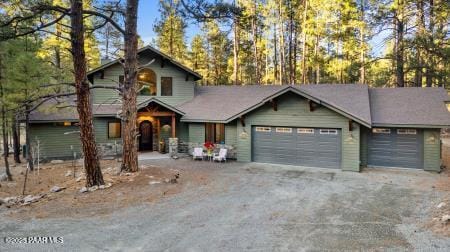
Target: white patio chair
x=221, y=156
x=198, y=153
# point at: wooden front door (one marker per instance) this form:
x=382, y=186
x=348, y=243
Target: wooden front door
x=146, y=138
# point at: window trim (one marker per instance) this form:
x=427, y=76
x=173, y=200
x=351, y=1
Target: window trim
x=305, y=131
x=120, y=130
x=406, y=132
x=328, y=131
x=171, y=85
x=214, y=134
x=263, y=129
x=381, y=131
x=285, y=130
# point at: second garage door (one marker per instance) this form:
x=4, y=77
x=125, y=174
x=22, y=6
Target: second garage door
x=316, y=147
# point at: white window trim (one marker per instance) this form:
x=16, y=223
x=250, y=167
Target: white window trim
x=328, y=131
x=263, y=129
x=283, y=130
x=381, y=131
x=305, y=131
x=406, y=132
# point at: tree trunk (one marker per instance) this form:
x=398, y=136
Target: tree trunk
x=28, y=153
x=399, y=54
x=235, y=50
x=362, y=70
x=84, y=107
x=255, y=43
x=4, y=134
x=275, y=54
x=304, y=69
x=129, y=110
x=16, y=139
x=429, y=73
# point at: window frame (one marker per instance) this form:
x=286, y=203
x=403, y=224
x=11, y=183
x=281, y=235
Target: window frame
x=171, y=86
x=407, y=132
x=306, y=131
x=263, y=129
x=284, y=130
x=381, y=131
x=328, y=131
x=120, y=130
x=208, y=127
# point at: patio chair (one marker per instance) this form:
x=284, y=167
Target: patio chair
x=198, y=153
x=221, y=156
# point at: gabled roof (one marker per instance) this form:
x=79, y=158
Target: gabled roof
x=55, y=110
x=226, y=103
x=159, y=102
x=156, y=51
x=410, y=106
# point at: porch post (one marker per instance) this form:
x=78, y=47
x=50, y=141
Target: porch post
x=173, y=126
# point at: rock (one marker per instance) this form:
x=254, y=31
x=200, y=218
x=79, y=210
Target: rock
x=127, y=174
x=30, y=199
x=101, y=187
x=79, y=179
x=175, y=157
x=56, y=189
x=68, y=173
x=441, y=205
x=167, y=180
x=56, y=161
x=154, y=182
x=445, y=218
x=108, y=185
x=93, y=188
x=11, y=200
x=3, y=177
x=83, y=189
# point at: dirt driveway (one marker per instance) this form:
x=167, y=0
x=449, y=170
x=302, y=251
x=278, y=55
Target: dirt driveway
x=259, y=207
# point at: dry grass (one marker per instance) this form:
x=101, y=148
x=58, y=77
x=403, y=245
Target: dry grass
x=126, y=189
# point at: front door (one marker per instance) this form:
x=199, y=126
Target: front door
x=146, y=138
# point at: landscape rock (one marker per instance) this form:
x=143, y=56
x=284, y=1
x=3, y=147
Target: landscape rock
x=30, y=199
x=101, y=187
x=441, y=205
x=154, y=182
x=11, y=200
x=56, y=161
x=3, y=177
x=69, y=173
x=56, y=189
x=167, y=180
x=108, y=185
x=93, y=188
x=79, y=179
x=445, y=218
x=83, y=189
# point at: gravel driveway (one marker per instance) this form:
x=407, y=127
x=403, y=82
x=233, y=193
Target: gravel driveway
x=260, y=207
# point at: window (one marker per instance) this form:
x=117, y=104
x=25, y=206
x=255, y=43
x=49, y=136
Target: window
x=114, y=130
x=328, y=132
x=147, y=82
x=263, y=129
x=283, y=130
x=406, y=131
x=166, y=86
x=305, y=131
x=215, y=132
x=381, y=131
x=65, y=124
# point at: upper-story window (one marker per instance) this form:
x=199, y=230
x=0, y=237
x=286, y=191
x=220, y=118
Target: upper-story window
x=166, y=86
x=147, y=82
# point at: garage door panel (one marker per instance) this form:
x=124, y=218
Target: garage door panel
x=396, y=150
x=306, y=148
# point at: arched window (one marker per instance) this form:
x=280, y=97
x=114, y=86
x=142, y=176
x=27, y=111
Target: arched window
x=147, y=82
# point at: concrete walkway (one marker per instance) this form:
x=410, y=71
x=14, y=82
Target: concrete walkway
x=152, y=155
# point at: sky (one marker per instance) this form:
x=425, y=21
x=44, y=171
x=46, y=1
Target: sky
x=148, y=13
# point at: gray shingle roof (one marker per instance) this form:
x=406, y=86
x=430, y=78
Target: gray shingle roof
x=224, y=103
x=409, y=106
x=62, y=110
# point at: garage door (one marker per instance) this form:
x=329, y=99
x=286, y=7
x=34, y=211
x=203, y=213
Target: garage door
x=396, y=148
x=316, y=147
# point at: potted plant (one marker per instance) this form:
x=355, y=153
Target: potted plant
x=209, y=146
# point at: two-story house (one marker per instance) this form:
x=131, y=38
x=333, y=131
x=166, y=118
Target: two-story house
x=334, y=126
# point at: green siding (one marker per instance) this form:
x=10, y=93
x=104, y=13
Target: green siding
x=53, y=142
x=432, y=150
x=182, y=131
x=293, y=111
x=197, y=132
x=364, y=145
x=101, y=130
x=230, y=134
x=182, y=90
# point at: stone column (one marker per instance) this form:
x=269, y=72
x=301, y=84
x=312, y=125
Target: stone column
x=173, y=147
